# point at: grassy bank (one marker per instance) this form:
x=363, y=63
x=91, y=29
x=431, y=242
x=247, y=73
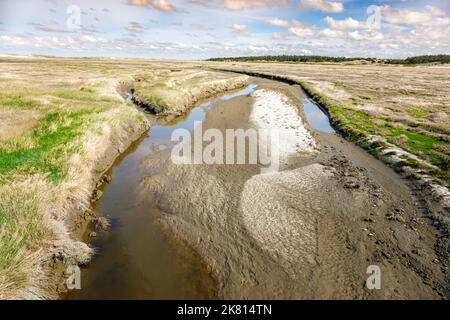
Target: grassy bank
x=62, y=123
x=174, y=91
x=361, y=127
x=57, y=120
x=406, y=107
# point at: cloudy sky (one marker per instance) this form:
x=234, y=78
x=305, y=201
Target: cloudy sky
x=198, y=29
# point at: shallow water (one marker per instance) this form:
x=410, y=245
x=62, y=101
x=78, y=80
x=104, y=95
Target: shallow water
x=136, y=259
x=317, y=119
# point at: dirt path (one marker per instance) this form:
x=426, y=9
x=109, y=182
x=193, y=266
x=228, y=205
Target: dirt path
x=308, y=231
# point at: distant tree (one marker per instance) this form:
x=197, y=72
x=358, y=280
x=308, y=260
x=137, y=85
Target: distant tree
x=443, y=58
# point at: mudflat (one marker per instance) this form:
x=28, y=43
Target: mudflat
x=308, y=231
x=311, y=230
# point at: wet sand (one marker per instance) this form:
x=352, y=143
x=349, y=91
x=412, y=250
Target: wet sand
x=136, y=259
x=309, y=231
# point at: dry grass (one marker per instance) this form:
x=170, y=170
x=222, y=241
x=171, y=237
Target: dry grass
x=48, y=109
x=58, y=120
x=174, y=91
x=407, y=106
x=23, y=228
x=58, y=117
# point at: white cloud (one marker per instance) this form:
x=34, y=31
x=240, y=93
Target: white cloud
x=201, y=27
x=134, y=27
x=240, y=29
x=429, y=16
x=302, y=30
x=365, y=36
x=330, y=33
x=280, y=36
x=84, y=38
x=406, y=30
x=348, y=23
x=278, y=22
x=322, y=5
x=161, y=5
x=294, y=27
x=252, y=4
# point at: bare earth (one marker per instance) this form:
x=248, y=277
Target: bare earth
x=307, y=232
x=405, y=107
x=62, y=124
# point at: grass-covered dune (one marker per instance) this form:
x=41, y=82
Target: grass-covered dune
x=62, y=124
x=173, y=91
x=386, y=109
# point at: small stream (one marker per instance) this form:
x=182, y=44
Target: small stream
x=317, y=119
x=136, y=259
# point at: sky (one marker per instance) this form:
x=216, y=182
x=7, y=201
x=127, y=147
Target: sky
x=200, y=29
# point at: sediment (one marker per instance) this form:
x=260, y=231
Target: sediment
x=309, y=231
x=75, y=214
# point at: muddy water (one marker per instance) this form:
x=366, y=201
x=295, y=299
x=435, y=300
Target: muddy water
x=317, y=119
x=255, y=256
x=136, y=259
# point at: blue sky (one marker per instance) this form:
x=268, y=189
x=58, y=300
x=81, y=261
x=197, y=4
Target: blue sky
x=198, y=29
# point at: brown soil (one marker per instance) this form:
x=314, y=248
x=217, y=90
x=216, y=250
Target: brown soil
x=307, y=232
x=73, y=251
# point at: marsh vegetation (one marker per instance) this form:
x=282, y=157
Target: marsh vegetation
x=64, y=121
x=407, y=107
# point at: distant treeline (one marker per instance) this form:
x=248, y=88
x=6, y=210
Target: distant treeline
x=440, y=58
x=433, y=59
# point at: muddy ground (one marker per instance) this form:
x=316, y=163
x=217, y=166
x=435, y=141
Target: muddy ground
x=309, y=231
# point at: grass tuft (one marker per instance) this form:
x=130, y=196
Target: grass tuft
x=22, y=230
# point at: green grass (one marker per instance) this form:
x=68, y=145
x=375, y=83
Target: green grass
x=56, y=122
x=140, y=118
x=49, y=147
x=12, y=101
x=357, y=126
x=419, y=113
x=45, y=150
x=79, y=95
x=152, y=99
x=356, y=122
x=21, y=229
x=424, y=146
x=177, y=93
